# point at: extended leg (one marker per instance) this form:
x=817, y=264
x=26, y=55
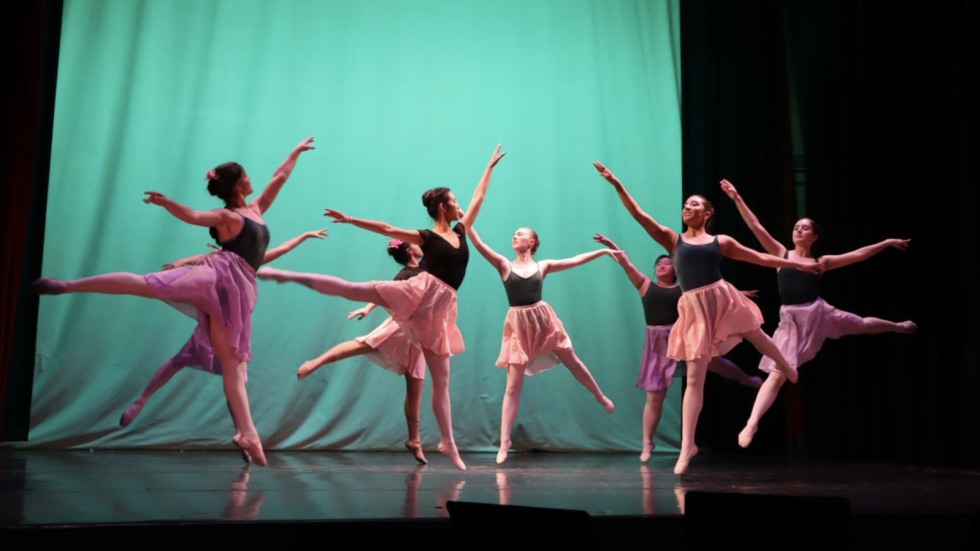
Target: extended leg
x=583, y=376
x=115, y=283
x=413, y=416
x=508, y=411
x=442, y=406
x=326, y=284
x=160, y=378
x=729, y=370
x=768, y=347
x=233, y=373
x=763, y=401
x=690, y=411
x=346, y=349
x=651, y=418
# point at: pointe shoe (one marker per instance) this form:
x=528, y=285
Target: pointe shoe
x=646, y=453
x=251, y=448
x=502, y=453
x=607, y=404
x=130, y=414
x=909, y=327
x=47, y=286
x=453, y=454
x=305, y=369
x=245, y=456
x=683, y=461
x=416, y=449
x=745, y=437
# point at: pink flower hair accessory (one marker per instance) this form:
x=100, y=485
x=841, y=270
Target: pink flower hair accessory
x=395, y=243
x=211, y=175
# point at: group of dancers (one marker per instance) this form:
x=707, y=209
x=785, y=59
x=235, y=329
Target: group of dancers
x=692, y=314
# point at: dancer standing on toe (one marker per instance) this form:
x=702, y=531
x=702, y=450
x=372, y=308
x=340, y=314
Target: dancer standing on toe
x=424, y=306
x=221, y=290
x=713, y=316
x=806, y=321
x=660, y=298
x=389, y=347
x=534, y=338
x=197, y=351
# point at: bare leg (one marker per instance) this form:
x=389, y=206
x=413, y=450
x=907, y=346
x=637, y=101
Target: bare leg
x=690, y=411
x=877, y=325
x=768, y=347
x=233, y=373
x=651, y=418
x=442, y=406
x=115, y=283
x=326, y=284
x=508, y=411
x=729, y=370
x=346, y=349
x=763, y=401
x=413, y=416
x=582, y=375
x=160, y=378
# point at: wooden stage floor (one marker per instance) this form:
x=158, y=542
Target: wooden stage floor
x=580, y=500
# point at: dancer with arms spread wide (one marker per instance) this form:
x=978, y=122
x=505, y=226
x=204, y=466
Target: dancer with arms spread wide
x=806, y=321
x=534, y=338
x=660, y=297
x=388, y=346
x=713, y=316
x=221, y=290
x=424, y=306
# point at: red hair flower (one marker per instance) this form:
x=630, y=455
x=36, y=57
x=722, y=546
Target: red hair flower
x=211, y=175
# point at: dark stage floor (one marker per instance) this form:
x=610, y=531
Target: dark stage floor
x=600, y=501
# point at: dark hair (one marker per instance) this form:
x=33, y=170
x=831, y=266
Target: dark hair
x=222, y=180
x=817, y=231
x=434, y=197
x=657, y=261
x=537, y=240
x=709, y=209
x=400, y=252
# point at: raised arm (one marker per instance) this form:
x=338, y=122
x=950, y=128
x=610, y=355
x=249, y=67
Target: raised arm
x=206, y=218
x=287, y=246
x=833, y=261
x=660, y=233
x=496, y=259
x=551, y=266
x=638, y=278
x=734, y=249
x=469, y=215
x=771, y=245
x=409, y=236
x=271, y=191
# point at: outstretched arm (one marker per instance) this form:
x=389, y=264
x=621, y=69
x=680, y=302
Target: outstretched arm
x=496, y=259
x=409, y=236
x=660, y=233
x=287, y=246
x=638, y=278
x=833, y=261
x=551, y=266
x=734, y=249
x=206, y=218
x=271, y=191
x=469, y=216
x=767, y=241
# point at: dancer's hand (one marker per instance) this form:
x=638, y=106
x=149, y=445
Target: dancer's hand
x=338, y=217
x=753, y=294
x=729, y=189
x=318, y=234
x=599, y=238
x=306, y=145
x=497, y=155
x=606, y=173
x=811, y=267
x=359, y=313
x=900, y=244
x=154, y=198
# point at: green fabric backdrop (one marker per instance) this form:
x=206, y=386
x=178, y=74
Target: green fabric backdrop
x=401, y=96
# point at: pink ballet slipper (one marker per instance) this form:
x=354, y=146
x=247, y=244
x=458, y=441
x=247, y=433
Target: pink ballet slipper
x=130, y=414
x=502, y=453
x=745, y=437
x=48, y=286
x=416, y=449
x=646, y=453
x=251, y=449
x=684, y=460
x=453, y=454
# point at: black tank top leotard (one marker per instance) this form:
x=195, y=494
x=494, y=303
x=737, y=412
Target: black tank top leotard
x=697, y=265
x=444, y=261
x=523, y=291
x=660, y=304
x=797, y=286
x=250, y=243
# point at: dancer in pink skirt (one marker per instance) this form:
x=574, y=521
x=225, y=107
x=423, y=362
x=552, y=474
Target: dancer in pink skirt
x=806, y=321
x=534, y=338
x=197, y=352
x=713, y=316
x=220, y=292
x=388, y=346
x=424, y=306
x=660, y=298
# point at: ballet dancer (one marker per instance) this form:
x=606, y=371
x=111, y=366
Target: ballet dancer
x=424, y=306
x=221, y=289
x=713, y=316
x=806, y=321
x=534, y=338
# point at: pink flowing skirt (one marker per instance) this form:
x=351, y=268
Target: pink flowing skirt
x=394, y=350
x=425, y=308
x=221, y=286
x=711, y=321
x=531, y=336
x=803, y=328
